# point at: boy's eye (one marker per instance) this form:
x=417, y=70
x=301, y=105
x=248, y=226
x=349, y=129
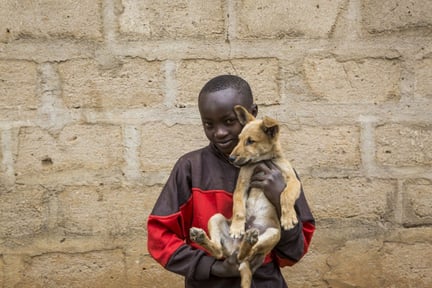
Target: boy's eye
x=249, y=141
x=207, y=125
x=230, y=121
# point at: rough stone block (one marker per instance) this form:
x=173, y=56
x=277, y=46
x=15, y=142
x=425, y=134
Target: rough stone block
x=261, y=74
x=360, y=198
x=18, y=81
x=12, y=269
x=318, y=147
x=2, y=168
x=407, y=265
x=308, y=272
x=404, y=145
x=151, y=194
x=394, y=15
x=2, y=278
x=104, y=268
x=173, y=20
x=133, y=83
x=77, y=152
x=343, y=273
x=8, y=152
x=417, y=202
x=24, y=214
x=278, y=19
x=153, y=272
x=159, y=151
x=360, y=81
x=423, y=76
x=41, y=19
x=136, y=255
x=107, y=210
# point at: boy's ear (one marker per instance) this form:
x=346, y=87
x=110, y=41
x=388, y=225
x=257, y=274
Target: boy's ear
x=243, y=115
x=270, y=126
x=254, y=110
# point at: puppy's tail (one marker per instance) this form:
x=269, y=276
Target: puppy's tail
x=245, y=274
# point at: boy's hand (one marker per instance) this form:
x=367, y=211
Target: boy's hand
x=226, y=268
x=268, y=177
x=230, y=266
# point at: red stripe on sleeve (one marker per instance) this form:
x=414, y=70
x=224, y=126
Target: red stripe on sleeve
x=167, y=233
x=162, y=240
x=308, y=231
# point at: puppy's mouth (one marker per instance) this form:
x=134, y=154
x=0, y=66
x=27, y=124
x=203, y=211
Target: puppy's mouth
x=239, y=162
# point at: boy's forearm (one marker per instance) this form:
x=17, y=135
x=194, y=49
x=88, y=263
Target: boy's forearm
x=191, y=263
x=291, y=244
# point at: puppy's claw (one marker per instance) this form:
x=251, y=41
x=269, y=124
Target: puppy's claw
x=236, y=236
x=251, y=236
x=236, y=230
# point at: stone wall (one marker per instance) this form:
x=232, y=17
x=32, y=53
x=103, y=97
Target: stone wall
x=98, y=100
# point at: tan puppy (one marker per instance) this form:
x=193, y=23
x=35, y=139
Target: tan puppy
x=254, y=229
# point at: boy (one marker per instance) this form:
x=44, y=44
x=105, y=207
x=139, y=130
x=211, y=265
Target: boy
x=201, y=184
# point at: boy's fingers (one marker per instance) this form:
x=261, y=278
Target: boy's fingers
x=271, y=165
x=262, y=167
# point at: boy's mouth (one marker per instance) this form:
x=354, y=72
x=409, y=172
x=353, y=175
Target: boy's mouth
x=224, y=144
x=227, y=146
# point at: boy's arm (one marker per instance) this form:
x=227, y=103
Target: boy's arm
x=294, y=243
x=170, y=250
x=168, y=226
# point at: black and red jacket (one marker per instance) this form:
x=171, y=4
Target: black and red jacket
x=200, y=185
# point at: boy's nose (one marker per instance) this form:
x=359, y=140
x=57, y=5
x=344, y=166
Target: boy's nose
x=220, y=132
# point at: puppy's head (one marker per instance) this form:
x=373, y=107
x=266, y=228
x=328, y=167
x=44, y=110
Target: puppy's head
x=258, y=139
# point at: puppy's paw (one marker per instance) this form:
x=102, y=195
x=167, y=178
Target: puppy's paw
x=251, y=236
x=237, y=230
x=197, y=235
x=288, y=219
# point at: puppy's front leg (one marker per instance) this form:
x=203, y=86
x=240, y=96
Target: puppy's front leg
x=288, y=198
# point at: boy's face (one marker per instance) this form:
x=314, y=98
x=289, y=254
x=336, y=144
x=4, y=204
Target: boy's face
x=219, y=119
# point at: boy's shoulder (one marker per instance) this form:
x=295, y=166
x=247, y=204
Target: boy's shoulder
x=194, y=158
x=195, y=154
x=203, y=157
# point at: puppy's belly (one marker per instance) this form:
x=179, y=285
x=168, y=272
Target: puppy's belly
x=261, y=214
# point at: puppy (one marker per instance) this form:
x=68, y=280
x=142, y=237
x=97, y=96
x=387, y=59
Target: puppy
x=255, y=228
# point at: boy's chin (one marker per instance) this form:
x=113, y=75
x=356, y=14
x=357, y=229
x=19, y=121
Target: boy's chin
x=225, y=151
x=226, y=148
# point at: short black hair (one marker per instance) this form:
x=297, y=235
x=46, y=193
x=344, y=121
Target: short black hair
x=222, y=82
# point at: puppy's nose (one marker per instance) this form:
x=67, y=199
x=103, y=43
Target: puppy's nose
x=232, y=158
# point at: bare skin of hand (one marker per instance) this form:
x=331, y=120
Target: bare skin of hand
x=226, y=268
x=230, y=266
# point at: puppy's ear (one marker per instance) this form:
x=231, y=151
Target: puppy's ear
x=270, y=126
x=243, y=115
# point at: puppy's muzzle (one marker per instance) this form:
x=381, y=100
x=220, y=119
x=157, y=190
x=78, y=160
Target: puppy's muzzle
x=238, y=161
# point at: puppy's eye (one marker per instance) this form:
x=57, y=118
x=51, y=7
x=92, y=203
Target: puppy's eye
x=249, y=141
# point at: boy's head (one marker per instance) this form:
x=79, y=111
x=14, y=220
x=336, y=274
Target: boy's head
x=216, y=103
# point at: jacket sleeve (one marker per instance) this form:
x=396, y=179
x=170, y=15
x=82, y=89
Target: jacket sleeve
x=168, y=228
x=294, y=243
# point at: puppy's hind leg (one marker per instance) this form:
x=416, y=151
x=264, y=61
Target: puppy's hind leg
x=200, y=237
x=218, y=229
x=266, y=242
x=249, y=240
